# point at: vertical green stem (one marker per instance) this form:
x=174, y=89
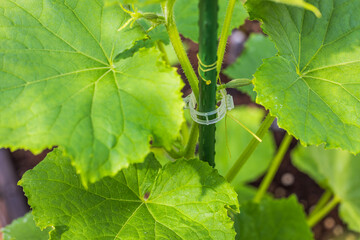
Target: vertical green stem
x=250, y=148
x=208, y=41
x=178, y=46
x=224, y=35
x=275, y=164
x=313, y=220
x=189, y=151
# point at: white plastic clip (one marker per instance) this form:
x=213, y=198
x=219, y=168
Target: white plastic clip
x=207, y=118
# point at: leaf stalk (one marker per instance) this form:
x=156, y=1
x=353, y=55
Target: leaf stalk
x=224, y=35
x=322, y=202
x=174, y=36
x=250, y=148
x=189, y=151
x=314, y=219
x=275, y=164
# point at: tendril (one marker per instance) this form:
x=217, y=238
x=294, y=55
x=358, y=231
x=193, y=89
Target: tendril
x=205, y=68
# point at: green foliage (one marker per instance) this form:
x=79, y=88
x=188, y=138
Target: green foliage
x=25, y=229
x=182, y=200
x=62, y=87
x=237, y=140
x=272, y=219
x=187, y=17
x=337, y=170
x=257, y=47
x=313, y=85
x=87, y=76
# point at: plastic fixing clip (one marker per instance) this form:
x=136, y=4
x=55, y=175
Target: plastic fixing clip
x=212, y=117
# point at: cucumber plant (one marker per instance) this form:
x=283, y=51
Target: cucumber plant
x=93, y=78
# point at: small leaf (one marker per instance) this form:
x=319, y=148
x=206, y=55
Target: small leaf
x=182, y=200
x=256, y=48
x=337, y=170
x=238, y=138
x=24, y=228
x=60, y=85
x=312, y=86
x=272, y=219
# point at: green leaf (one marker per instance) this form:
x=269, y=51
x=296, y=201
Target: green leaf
x=187, y=17
x=337, y=170
x=257, y=47
x=238, y=138
x=182, y=200
x=59, y=85
x=272, y=219
x=24, y=228
x=313, y=86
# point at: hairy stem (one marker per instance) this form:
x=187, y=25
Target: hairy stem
x=178, y=46
x=184, y=133
x=314, y=219
x=250, y=148
x=189, y=151
x=275, y=164
x=208, y=41
x=224, y=35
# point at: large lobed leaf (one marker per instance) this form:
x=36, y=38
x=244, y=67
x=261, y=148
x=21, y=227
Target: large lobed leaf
x=272, y=219
x=182, y=200
x=337, y=170
x=24, y=228
x=312, y=86
x=59, y=85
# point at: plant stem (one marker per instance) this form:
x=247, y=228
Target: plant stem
x=250, y=148
x=313, y=220
x=208, y=10
x=275, y=164
x=161, y=47
x=224, y=35
x=322, y=202
x=191, y=143
x=184, y=133
x=175, y=40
